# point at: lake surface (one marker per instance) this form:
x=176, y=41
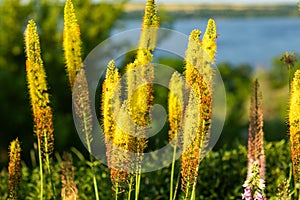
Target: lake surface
x=254, y=41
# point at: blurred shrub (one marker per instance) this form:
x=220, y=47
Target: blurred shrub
x=237, y=81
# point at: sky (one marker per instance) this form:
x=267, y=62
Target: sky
x=226, y=1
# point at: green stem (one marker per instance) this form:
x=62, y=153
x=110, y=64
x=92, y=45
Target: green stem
x=52, y=183
x=95, y=184
x=177, y=185
x=93, y=169
x=91, y=157
x=41, y=168
x=137, y=185
x=187, y=191
x=172, y=172
x=94, y=175
x=130, y=188
x=116, y=191
x=193, y=195
x=49, y=168
x=290, y=175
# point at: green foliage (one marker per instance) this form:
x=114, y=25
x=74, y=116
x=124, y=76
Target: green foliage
x=96, y=20
x=237, y=81
x=278, y=164
x=221, y=176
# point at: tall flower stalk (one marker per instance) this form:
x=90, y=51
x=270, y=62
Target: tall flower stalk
x=116, y=140
x=71, y=42
x=38, y=91
x=125, y=122
x=256, y=134
x=140, y=74
x=75, y=69
x=289, y=59
x=176, y=108
x=14, y=169
x=198, y=111
x=294, y=122
x=254, y=184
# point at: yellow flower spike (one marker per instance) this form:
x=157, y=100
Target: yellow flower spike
x=193, y=53
x=197, y=59
x=120, y=161
x=150, y=16
x=131, y=78
x=36, y=75
x=209, y=39
x=37, y=85
x=198, y=112
x=139, y=73
x=117, y=141
x=42, y=114
x=176, y=109
x=14, y=168
x=294, y=121
x=71, y=42
x=125, y=129
x=110, y=100
x=193, y=57
x=144, y=56
x=141, y=99
x=195, y=36
x=175, y=105
x=193, y=139
x=149, y=27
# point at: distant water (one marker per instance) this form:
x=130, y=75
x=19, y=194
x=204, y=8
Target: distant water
x=254, y=41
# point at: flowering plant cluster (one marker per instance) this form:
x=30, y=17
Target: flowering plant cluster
x=254, y=185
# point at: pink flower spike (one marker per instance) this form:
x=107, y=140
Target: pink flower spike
x=247, y=193
x=248, y=189
x=258, y=196
x=246, y=196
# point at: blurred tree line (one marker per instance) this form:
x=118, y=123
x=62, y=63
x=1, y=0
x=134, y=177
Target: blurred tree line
x=96, y=20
